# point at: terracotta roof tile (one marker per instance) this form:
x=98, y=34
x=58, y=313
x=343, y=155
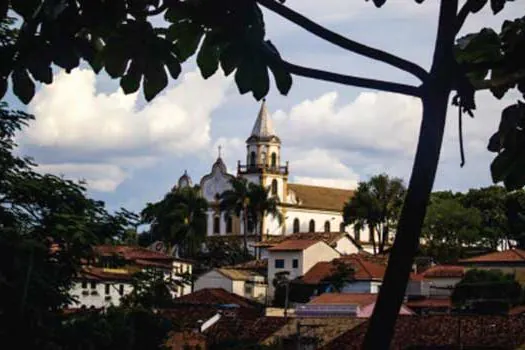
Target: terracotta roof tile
x=444, y=271
x=102, y=274
x=361, y=299
x=329, y=238
x=260, y=265
x=238, y=274
x=441, y=331
x=511, y=255
x=216, y=296
x=430, y=303
x=324, y=198
x=517, y=310
x=291, y=245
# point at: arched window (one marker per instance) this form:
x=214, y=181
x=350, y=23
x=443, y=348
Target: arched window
x=263, y=159
x=296, y=225
x=342, y=227
x=216, y=224
x=274, y=160
x=327, y=226
x=229, y=224
x=274, y=187
x=311, y=226
x=253, y=159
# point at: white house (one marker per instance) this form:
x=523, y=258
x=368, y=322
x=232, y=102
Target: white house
x=296, y=257
x=245, y=283
x=442, y=279
x=305, y=208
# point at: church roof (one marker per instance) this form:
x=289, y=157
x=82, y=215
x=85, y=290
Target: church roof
x=263, y=127
x=320, y=198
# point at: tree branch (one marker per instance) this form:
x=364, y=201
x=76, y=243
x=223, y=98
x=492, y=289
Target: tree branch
x=463, y=14
x=157, y=11
x=343, y=42
x=511, y=79
x=341, y=78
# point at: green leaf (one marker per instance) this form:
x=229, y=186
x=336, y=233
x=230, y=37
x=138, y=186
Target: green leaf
x=23, y=86
x=208, y=58
x=379, y=3
x=130, y=82
x=3, y=87
x=186, y=36
x=41, y=72
x=497, y=5
x=173, y=66
x=25, y=8
x=283, y=79
x=155, y=80
x=494, y=143
x=501, y=166
x=115, y=59
x=230, y=58
x=4, y=5
x=516, y=177
x=243, y=77
x=260, y=80
x=65, y=56
x=477, y=5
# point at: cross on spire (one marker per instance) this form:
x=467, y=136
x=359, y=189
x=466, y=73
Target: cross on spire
x=220, y=150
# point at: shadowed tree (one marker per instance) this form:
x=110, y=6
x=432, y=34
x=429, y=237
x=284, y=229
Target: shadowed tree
x=261, y=205
x=180, y=218
x=236, y=201
x=119, y=36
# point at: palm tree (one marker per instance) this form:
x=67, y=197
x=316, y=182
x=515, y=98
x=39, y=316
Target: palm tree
x=236, y=201
x=179, y=218
x=262, y=204
x=376, y=204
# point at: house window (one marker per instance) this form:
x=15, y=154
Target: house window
x=327, y=226
x=248, y=289
x=106, y=290
x=84, y=284
x=296, y=225
x=279, y=263
x=93, y=285
x=295, y=263
x=229, y=224
x=216, y=225
x=274, y=187
x=342, y=227
x=253, y=157
x=274, y=160
x=121, y=289
x=311, y=227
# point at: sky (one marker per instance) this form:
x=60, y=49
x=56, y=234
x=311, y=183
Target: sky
x=131, y=152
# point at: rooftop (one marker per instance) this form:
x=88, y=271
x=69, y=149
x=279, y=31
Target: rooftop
x=511, y=255
x=444, y=271
x=330, y=238
x=216, y=296
x=360, y=299
x=293, y=245
x=238, y=274
x=103, y=274
x=321, y=198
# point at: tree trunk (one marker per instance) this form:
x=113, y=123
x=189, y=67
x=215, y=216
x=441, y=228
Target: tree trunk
x=245, y=236
x=435, y=100
x=372, y=236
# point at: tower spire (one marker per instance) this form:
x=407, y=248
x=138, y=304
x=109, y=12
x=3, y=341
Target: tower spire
x=263, y=125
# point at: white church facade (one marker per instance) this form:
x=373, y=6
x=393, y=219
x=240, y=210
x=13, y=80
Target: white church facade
x=305, y=208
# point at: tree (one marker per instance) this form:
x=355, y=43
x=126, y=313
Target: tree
x=127, y=46
x=48, y=227
x=262, y=204
x=515, y=213
x=376, y=204
x=341, y=275
x=450, y=228
x=180, y=218
x=236, y=201
x=486, y=291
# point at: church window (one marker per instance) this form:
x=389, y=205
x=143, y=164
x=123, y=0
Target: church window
x=229, y=224
x=327, y=226
x=263, y=158
x=296, y=225
x=274, y=187
x=253, y=157
x=274, y=159
x=216, y=224
x=311, y=227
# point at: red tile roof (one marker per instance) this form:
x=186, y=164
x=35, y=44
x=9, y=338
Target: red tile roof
x=511, y=255
x=517, y=310
x=361, y=299
x=430, y=303
x=131, y=252
x=216, y=296
x=293, y=245
x=444, y=271
x=102, y=274
x=330, y=238
x=441, y=331
x=316, y=197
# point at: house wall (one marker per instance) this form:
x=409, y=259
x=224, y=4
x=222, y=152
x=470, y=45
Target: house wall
x=359, y=287
x=437, y=285
x=316, y=253
x=97, y=296
x=178, y=268
x=238, y=288
x=213, y=279
x=346, y=247
x=288, y=258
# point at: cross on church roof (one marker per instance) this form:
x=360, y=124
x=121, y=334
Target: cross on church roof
x=220, y=149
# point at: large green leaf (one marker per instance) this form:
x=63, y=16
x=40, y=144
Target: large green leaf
x=208, y=57
x=260, y=80
x=230, y=58
x=186, y=36
x=23, y=86
x=25, y=8
x=515, y=178
x=115, y=58
x=155, y=80
x=130, y=81
x=3, y=86
x=498, y=5
x=244, y=76
x=501, y=166
x=173, y=66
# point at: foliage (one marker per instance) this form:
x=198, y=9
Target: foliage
x=515, y=212
x=376, y=205
x=236, y=202
x=450, y=228
x=48, y=227
x=117, y=328
x=178, y=219
x=220, y=252
x=341, y=275
x=486, y=290
x=261, y=204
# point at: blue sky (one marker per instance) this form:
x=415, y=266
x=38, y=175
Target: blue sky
x=131, y=152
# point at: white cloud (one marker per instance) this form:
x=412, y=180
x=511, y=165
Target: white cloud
x=98, y=177
x=113, y=131
x=232, y=150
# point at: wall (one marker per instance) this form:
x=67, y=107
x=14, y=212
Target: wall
x=288, y=258
x=99, y=299
x=319, y=216
x=346, y=247
x=440, y=283
x=316, y=253
x=359, y=287
x=213, y=279
x=238, y=288
x=181, y=267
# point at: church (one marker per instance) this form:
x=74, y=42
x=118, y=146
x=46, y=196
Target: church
x=305, y=208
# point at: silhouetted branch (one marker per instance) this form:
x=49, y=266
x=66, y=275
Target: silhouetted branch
x=343, y=42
